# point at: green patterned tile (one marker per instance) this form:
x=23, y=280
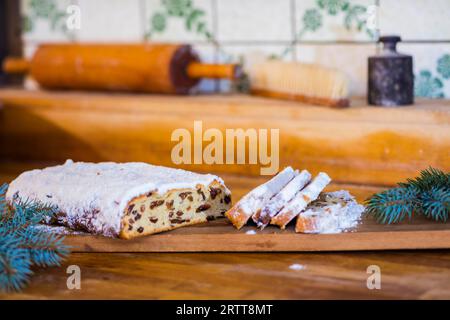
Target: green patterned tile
x=45, y=20
x=431, y=68
x=254, y=20
x=443, y=66
x=332, y=20
x=110, y=20
x=179, y=20
x=416, y=19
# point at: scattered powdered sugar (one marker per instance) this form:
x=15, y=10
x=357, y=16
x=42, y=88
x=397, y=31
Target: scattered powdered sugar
x=334, y=212
x=94, y=195
x=297, y=266
x=58, y=230
x=251, y=232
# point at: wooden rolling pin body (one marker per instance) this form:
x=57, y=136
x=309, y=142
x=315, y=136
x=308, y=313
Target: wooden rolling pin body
x=153, y=68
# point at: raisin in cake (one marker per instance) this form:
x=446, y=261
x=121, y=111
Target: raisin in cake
x=124, y=200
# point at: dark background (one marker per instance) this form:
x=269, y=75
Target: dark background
x=10, y=30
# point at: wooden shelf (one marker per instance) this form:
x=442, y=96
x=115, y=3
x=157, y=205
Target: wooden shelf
x=358, y=145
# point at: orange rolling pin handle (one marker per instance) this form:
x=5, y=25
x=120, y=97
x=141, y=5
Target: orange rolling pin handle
x=198, y=70
x=16, y=66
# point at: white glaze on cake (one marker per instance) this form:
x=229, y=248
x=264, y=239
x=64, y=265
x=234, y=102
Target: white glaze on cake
x=262, y=218
x=94, y=195
x=301, y=200
x=258, y=197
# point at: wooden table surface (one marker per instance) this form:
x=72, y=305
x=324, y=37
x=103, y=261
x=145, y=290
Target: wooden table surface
x=404, y=274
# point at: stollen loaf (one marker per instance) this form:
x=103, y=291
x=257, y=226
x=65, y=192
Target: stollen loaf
x=125, y=200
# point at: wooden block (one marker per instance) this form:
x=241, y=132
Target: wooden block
x=360, y=144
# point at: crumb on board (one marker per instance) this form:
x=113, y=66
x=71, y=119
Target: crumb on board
x=297, y=266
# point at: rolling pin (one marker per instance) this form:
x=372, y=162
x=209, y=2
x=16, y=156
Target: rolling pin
x=153, y=68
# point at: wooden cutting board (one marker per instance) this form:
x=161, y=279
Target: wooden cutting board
x=220, y=236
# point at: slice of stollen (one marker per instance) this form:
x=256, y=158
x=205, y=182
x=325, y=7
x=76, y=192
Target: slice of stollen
x=301, y=200
x=258, y=197
x=332, y=212
x=262, y=218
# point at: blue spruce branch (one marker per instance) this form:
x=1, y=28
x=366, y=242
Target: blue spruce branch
x=436, y=203
x=393, y=205
x=428, y=195
x=22, y=245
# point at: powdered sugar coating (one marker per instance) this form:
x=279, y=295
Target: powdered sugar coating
x=301, y=200
x=259, y=196
x=93, y=196
x=281, y=198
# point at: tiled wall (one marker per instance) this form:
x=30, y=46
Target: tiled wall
x=331, y=32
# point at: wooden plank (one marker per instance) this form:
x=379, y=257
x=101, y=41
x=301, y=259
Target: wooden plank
x=405, y=275
x=220, y=236
x=361, y=144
